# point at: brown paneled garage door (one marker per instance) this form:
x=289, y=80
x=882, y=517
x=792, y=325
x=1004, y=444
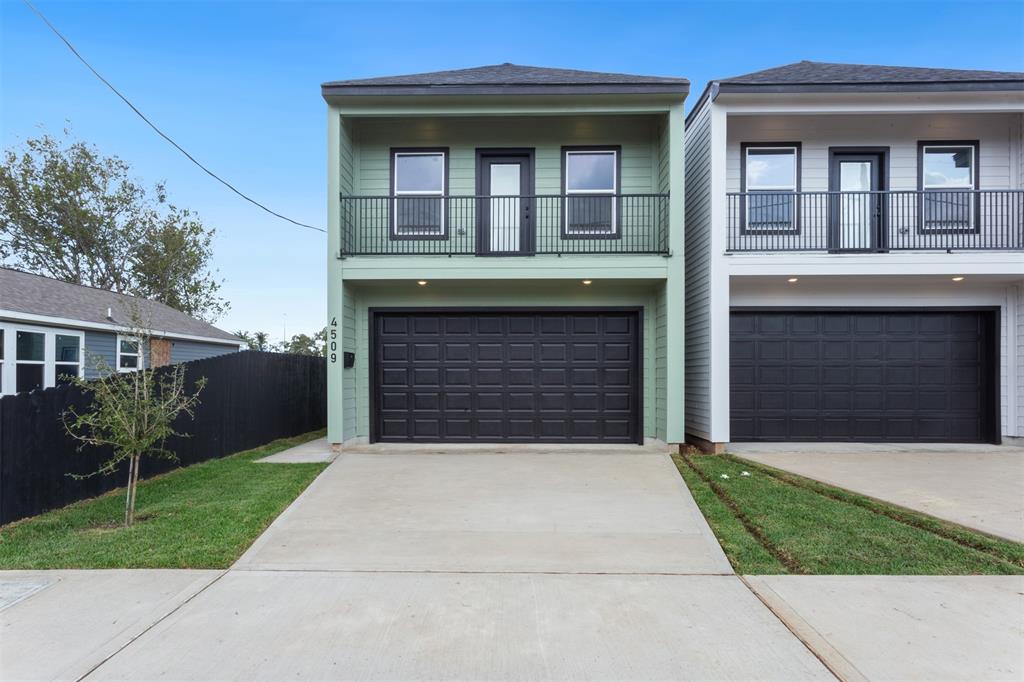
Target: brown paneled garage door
x=464, y=376
x=863, y=376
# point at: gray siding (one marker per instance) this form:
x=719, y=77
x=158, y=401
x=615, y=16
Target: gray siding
x=100, y=348
x=184, y=351
x=697, y=260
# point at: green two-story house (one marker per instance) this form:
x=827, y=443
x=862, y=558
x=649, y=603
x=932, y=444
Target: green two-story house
x=505, y=261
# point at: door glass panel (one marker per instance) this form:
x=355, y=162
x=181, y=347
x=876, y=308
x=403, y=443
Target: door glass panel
x=505, y=206
x=855, y=205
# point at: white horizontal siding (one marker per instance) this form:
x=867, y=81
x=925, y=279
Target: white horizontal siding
x=698, y=274
x=998, y=135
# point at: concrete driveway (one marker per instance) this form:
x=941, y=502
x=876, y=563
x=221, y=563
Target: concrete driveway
x=600, y=510
x=467, y=564
x=978, y=486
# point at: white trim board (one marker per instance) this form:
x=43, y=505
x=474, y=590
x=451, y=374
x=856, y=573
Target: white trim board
x=30, y=318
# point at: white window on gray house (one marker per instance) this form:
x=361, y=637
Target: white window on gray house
x=771, y=183
x=67, y=358
x=30, y=361
x=128, y=356
x=948, y=181
x=34, y=357
x=591, y=183
x=418, y=185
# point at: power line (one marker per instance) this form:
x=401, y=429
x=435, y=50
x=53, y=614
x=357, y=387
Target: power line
x=160, y=132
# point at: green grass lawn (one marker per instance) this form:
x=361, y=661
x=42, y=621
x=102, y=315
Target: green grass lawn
x=795, y=525
x=201, y=516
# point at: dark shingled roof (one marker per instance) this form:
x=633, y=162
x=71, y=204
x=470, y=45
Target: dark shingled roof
x=37, y=295
x=821, y=77
x=510, y=78
x=808, y=73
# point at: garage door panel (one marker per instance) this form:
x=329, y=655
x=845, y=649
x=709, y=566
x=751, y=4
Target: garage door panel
x=507, y=376
x=873, y=376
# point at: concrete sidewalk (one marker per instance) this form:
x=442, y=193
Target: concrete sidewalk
x=905, y=627
x=978, y=486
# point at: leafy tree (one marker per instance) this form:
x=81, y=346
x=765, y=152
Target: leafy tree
x=303, y=344
x=133, y=413
x=70, y=213
x=256, y=340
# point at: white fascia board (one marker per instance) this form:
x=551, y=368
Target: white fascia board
x=1007, y=264
x=17, y=316
x=870, y=103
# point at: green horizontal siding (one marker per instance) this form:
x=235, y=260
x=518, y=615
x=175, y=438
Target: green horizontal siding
x=642, y=167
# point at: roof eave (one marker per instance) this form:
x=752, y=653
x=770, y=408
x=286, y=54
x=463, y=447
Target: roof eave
x=947, y=86
x=336, y=90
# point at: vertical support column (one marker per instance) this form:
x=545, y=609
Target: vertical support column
x=335, y=295
x=718, y=306
x=675, y=379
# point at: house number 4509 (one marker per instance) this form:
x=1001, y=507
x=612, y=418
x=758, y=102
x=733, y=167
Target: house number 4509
x=332, y=335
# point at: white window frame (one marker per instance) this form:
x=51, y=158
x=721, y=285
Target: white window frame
x=972, y=176
x=443, y=228
x=10, y=362
x=117, y=355
x=752, y=227
x=614, y=232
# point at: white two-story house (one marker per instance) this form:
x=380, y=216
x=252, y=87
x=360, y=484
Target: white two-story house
x=855, y=256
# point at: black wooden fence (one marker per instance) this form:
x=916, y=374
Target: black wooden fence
x=250, y=398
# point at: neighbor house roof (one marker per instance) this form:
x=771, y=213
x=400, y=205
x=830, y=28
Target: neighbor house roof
x=824, y=73
x=820, y=77
x=29, y=296
x=507, y=79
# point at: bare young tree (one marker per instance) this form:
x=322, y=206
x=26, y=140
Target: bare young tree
x=133, y=413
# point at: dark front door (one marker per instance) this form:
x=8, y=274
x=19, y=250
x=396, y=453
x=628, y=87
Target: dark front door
x=857, y=208
x=460, y=376
x=505, y=185
x=863, y=376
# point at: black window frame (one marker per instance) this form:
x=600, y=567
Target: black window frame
x=563, y=220
x=393, y=234
x=798, y=152
x=921, y=145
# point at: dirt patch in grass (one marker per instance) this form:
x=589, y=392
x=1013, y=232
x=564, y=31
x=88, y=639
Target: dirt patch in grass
x=805, y=526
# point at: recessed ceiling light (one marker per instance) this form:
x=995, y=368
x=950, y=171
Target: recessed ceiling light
x=587, y=281
x=958, y=278
x=422, y=282
x=793, y=279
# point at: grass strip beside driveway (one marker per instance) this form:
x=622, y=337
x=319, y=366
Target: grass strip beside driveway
x=201, y=516
x=820, y=529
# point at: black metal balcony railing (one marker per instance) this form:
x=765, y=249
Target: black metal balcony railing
x=504, y=225
x=898, y=220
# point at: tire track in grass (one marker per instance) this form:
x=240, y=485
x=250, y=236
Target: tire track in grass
x=880, y=509
x=783, y=557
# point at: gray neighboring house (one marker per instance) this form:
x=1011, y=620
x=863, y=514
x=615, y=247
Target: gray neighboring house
x=50, y=329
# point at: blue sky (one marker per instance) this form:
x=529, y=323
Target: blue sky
x=236, y=83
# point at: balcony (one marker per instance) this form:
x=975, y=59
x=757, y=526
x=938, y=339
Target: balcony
x=560, y=225
x=875, y=222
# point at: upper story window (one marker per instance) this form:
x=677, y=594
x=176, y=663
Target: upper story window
x=419, y=181
x=591, y=179
x=771, y=177
x=948, y=177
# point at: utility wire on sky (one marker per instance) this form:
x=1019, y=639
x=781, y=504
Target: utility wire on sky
x=160, y=132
